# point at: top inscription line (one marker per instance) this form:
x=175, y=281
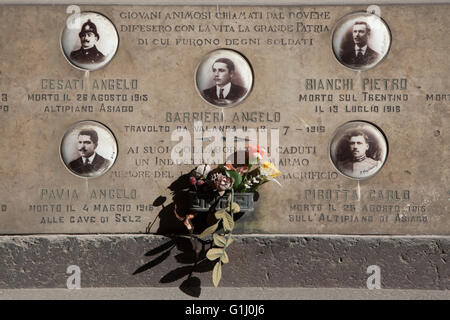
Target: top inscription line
x=230, y=15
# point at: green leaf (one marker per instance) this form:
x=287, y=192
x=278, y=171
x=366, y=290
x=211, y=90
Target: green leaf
x=214, y=253
x=228, y=222
x=237, y=178
x=219, y=240
x=220, y=214
x=224, y=258
x=217, y=274
x=209, y=230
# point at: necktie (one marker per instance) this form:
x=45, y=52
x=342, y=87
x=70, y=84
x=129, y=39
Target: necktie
x=87, y=167
x=221, y=94
x=359, y=57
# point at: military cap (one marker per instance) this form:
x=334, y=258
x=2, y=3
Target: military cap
x=89, y=26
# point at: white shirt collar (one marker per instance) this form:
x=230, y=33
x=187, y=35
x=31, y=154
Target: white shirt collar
x=90, y=159
x=363, y=49
x=226, y=90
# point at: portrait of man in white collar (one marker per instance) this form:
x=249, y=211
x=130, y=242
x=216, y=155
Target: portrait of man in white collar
x=90, y=161
x=360, y=53
x=88, y=149
x=224, y=92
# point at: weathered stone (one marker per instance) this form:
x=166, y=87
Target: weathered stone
x=148, y=90
x=255, y=261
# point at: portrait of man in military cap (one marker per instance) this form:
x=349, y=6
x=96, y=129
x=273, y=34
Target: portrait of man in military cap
x=88, y=53
x=90, y=41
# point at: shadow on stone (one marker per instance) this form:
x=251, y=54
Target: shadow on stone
x=176, y=274
x=153, y=263
x=191, y=286
x=162, y=248
x=190, y=251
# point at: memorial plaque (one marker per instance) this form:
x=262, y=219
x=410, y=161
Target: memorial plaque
x=146, y=77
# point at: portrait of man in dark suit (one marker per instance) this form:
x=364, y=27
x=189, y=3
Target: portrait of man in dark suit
x=225, y=92
x=89, y=162
x=358, y=53
x=356, y=160
x=88, y=53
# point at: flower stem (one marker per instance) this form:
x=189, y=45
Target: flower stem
x=232, y=216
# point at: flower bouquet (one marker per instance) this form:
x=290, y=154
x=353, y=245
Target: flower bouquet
x=221, y=193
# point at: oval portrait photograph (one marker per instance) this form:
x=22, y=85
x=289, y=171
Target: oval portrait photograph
x=361, y=40
x=90, y=41
x=224, y=78
x=358, y=149
x=88, y=149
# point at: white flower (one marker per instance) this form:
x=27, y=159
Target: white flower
x=201, y=171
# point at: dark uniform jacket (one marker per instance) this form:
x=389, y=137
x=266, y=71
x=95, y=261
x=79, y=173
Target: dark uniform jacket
x=98, y=165
x=349, y=57
x=236, y=92
x=86, y=56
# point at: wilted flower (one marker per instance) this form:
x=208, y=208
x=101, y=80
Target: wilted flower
x=201, y=171
x=192, y=180
x=268, y=169
x=229, y=166
x=242, y=170
x=187, y=219
x=221, y=182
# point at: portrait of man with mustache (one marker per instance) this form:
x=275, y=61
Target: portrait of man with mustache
x=88, y=53
x=359, y=53
x=358, y=162
x=89, y=161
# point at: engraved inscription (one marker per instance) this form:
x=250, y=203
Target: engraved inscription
x=150, y=100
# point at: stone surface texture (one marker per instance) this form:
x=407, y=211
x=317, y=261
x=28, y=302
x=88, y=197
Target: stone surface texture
x=255, y=261
x=408, y=196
